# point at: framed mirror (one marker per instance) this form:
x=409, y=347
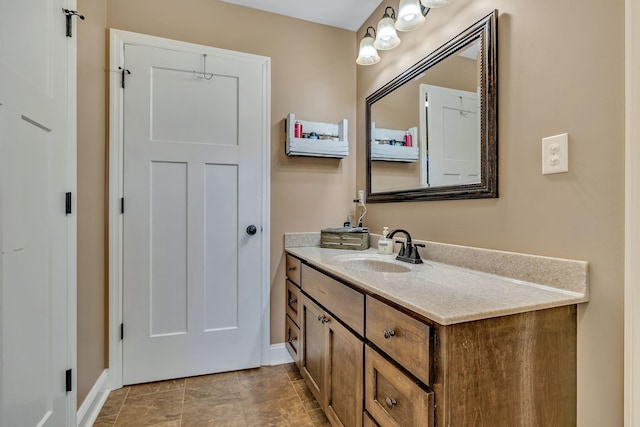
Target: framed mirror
x=432, y=132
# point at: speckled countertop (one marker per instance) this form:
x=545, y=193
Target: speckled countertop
x=449, y=294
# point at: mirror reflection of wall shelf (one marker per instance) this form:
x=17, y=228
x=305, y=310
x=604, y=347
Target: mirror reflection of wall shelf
x=465, y=169
x=384, y=148
x=320, y=139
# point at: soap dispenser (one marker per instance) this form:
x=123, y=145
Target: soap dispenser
x=385, y=245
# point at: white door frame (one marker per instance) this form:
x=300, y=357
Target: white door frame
x=632, y=216
x=118, y=39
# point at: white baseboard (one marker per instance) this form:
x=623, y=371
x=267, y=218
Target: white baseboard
x=90, y=408
x=279, y=355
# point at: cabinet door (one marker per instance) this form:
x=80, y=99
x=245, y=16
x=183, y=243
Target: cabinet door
x=313, y=349
x=345, y=384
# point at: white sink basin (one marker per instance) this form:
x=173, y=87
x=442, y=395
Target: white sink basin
x=375, y=266
x=373, y=263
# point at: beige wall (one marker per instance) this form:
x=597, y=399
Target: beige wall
x=92, y=185
x=561, y=69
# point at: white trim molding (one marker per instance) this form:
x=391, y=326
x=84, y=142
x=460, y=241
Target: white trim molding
x=117, y=40
x=279, y=355
x=632, y=216
x=92, y=404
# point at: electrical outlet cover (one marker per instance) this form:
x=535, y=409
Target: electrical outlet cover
x=555, y=154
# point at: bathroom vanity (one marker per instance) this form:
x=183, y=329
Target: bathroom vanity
x=385, y=343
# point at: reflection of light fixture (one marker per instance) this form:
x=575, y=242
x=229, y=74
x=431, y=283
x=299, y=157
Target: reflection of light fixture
x=432, y=4
x=368, y=55
x=410, y=15
x=386, y=36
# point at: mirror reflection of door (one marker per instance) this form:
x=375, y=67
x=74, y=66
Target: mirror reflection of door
x=450, y=129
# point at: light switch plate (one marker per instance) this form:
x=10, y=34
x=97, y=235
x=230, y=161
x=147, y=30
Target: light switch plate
x=555, y=154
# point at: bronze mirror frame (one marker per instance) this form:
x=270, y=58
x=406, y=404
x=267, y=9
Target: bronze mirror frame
x=486, y=31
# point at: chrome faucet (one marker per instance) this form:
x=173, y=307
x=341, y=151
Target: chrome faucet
x=409, y=251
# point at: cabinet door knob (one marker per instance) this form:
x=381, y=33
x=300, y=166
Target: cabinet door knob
x=293, y=301
x=389, y=333
x=391, y=402
x=292, y=339
x=323, y=319
x=292, y=268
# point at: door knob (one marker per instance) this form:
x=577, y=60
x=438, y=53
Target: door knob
x=251, y=230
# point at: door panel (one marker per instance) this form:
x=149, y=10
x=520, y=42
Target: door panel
x=37, y=248
x=221, y=302
x=345, y=395
x=192, y=184
x=313, y=350
x=168, y=261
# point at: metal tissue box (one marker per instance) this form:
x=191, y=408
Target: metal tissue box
x=355, y=238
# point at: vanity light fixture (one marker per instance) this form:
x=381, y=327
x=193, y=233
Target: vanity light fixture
x=368, y=55
x=386, y=36
x=410, y=15
x=432, y=4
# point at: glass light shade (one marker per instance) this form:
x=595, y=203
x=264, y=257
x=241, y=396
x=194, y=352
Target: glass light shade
x=432, y=4
x=386, y=36
x=368, y=55
x=409, y=15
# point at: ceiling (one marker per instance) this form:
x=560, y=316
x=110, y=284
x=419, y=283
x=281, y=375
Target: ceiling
x=347, y=14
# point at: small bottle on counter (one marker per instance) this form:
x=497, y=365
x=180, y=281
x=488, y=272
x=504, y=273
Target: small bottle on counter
x=385, y=245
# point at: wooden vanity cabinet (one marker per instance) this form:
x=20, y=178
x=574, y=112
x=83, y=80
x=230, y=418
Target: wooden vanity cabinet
x=516, y=370
x=292, y=304
x=399, y=368
x=331, y=354
x=332, y=365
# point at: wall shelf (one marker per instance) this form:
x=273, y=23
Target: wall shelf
x=393, y=153
x=335, y=144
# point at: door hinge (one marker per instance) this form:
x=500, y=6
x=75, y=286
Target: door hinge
x=121, y=331
x=67, y=203
x=124, y=72
x=121, y=205
x=69, y=14
x=68, y=380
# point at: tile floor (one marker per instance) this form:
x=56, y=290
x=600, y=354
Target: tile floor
x=268, y=396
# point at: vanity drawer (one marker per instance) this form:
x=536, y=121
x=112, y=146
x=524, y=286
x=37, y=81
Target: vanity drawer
x=293, y=269
x=392, y=398
x=293, y=302
x=344, y=302
x=292, y=339
x=403, y=338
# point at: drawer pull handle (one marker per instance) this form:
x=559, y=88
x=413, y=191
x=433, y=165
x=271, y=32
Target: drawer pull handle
x=292, y=339
x=292, y=268
x=323, y=319
x=389, y=333
x=293, y=301
x=391, y=402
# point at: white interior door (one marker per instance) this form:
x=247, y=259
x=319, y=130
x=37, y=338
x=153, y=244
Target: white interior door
x=453, y=136
x=192, y=186
x=37, y=246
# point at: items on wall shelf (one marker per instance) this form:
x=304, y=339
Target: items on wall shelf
x=318, y=139
x=389, y=144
